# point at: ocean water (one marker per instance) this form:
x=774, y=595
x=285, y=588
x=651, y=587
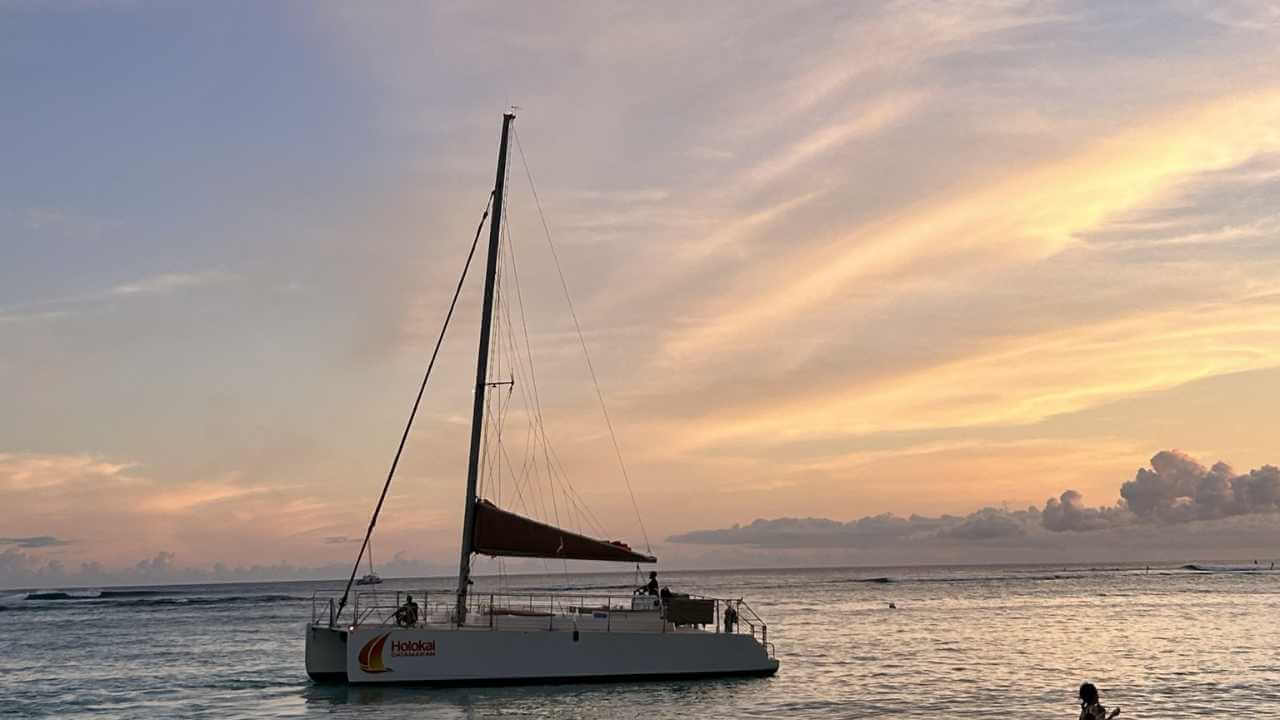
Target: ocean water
x=1011, y=641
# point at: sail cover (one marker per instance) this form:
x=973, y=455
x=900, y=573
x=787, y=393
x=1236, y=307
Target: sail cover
x=501, y=533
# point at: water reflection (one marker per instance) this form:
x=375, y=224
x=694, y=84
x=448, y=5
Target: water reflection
x=561, y=700
x=1173, y=642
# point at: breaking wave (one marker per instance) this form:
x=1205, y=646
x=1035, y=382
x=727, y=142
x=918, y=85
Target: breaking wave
x=91, y=594
x=49, y=600
x=1226, y=568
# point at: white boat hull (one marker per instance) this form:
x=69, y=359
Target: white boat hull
x=453, y=656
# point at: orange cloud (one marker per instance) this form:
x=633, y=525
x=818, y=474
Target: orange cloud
x=1020, y=219
x=1028, y=378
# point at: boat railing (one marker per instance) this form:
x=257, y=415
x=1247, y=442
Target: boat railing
x=558, y=611
x=323, y=607
x=754, y=622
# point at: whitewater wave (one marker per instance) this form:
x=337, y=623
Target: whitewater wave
x=1010, y=578
x=1227, y=568
x=49, y=600
x=92, y=594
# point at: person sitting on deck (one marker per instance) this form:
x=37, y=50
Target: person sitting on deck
x=407, y=614
x=652, y=587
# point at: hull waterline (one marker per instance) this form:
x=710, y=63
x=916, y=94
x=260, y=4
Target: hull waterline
x=453, y=657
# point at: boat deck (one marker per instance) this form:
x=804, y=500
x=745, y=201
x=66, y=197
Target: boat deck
x=549, y=612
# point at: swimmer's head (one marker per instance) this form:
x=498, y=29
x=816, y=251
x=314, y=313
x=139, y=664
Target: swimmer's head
x=1088, y=693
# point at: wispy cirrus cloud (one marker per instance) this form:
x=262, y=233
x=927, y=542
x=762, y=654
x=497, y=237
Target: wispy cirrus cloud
x=1025, y=218
x=1025, y=379
x=157, y=285
x=164, y=283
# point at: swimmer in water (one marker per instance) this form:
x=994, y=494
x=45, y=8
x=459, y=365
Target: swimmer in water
x=1090, y=708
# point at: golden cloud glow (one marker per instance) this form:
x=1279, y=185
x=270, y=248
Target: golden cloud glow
x=1024, y=218
x=1030, y=378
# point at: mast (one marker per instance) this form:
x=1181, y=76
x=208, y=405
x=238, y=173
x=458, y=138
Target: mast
x=482, y=366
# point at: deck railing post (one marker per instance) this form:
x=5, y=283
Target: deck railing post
x=333, y=617
x=490, y=611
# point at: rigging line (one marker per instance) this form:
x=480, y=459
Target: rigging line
x=518, y=367
x=530, y=477
x=581, y=501
x=502, y=446
x=494, y=359
x=565, y=286
x=510, y=467
x=533, y=382
x=414, y=412
x=533, y=484
x=517, y=372
x=548, y=451
x=493, y=418
x=491, y=465
x=555, y=467
x=530, y=437
x=559, y=464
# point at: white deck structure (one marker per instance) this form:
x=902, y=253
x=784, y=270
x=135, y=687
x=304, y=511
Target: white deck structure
x=532, y=638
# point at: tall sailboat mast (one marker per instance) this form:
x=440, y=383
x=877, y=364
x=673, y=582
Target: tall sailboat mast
x=633, y=640
x=482, y=366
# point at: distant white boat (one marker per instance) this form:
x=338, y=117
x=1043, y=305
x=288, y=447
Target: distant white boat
x=371, y=577
x=463, y=637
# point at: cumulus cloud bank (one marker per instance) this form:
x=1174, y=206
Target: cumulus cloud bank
x=1068, y=512
x=1179, y=489
x=1175, y=489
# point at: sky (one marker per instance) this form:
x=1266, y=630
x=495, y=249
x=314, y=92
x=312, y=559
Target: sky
x=861, y=283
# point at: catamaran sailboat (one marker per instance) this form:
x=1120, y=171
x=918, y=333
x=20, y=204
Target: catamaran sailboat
x=464, y=637
x=371, y=577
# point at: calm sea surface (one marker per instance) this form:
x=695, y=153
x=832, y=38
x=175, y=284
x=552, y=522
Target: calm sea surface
x=963, y=642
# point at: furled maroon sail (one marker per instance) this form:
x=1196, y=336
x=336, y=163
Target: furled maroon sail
x=501, y=533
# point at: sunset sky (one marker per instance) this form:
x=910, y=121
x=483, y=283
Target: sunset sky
x=831, y=261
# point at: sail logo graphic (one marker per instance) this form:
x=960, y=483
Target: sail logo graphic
x=370, y=656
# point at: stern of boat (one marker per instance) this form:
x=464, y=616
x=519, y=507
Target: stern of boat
x=326, y=653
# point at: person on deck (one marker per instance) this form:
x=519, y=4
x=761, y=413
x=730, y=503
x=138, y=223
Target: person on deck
x=407, y=614
x=652, y=587
x=1090, y=708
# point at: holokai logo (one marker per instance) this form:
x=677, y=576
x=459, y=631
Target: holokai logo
x=370, y=656
x=412, y=648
